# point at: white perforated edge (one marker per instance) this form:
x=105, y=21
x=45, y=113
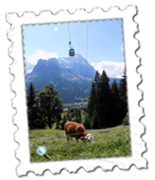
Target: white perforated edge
x=134, y=95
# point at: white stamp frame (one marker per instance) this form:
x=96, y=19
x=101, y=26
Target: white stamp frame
x=131, y=45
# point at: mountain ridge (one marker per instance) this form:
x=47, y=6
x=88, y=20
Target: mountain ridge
x=71, y=76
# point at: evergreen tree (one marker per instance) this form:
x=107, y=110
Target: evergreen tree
x=96, y=81
x=123, y=97
x=87, y=121
x=41, y=119
x=31, y=94
x=116, y=102
x=95, y=120
x=92, y=101
x=126, y=120
x=105, y=101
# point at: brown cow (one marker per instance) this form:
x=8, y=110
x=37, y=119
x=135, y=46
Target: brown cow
x=74, y=129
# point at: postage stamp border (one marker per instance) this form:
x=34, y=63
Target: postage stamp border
x=136, y=24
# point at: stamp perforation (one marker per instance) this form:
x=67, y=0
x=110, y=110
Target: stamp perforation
x=142, y=18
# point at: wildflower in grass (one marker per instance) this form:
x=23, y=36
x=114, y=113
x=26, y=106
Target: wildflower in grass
x=55, y=148
x=33, y=139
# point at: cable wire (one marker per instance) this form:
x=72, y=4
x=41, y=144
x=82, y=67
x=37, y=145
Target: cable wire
x=69, y=32
x=87, y=40
x=86, y=49
x=78, y=36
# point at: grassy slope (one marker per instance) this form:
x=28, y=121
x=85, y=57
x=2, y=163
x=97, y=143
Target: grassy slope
x=107, y=143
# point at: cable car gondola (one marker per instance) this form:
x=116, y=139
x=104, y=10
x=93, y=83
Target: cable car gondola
x=71, y=51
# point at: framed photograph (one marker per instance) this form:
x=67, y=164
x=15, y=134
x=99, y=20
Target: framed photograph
x=76, y=85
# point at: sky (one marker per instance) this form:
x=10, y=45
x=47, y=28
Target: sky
x=100, y=42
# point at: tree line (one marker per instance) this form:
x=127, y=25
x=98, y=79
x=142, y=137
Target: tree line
x=107, y=105
x=44, y=107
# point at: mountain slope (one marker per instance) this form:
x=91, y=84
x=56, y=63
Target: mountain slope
x=29, y=67
x=71, y=76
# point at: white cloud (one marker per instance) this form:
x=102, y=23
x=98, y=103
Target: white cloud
x=93, y=64
x=113, y=69
x=55, y=29
x=122, y=47
x=41, y=55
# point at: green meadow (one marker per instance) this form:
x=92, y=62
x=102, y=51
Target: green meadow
x=111, y=142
